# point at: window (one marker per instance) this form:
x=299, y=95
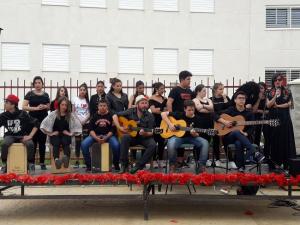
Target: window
x=202, y=5
x=165, y=61
x=55, y=2
x=289, y=73
x=165, y=5
x=283, y=17
x=56, y=58
x=93, y=3
x=201, y=62
x=92, y=59
x=15, y=56
x=131, y=4
x=131, y=60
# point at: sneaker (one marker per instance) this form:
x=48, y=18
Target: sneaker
x=208, y=163
x=4, y=169
x=185, y=165
x=218, y=163
x=134, y=170
x=259, y=157
x=43, y=166
x=58, y=163
x=232, y=165
x=155, y=164
x=76, y=165
x=31, y=168
x=65, y=161
x=241, y=170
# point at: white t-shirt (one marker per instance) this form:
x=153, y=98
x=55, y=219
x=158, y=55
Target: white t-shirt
x=81, y=107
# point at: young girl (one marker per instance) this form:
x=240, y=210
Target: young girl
x=61, y=125
x=61, y=91
x=81, y=110
x=37, y=103
x=221, y=102
x=139, y=90
x=117, y=100
x=158, y=104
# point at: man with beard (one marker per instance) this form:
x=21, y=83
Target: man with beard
x=144, y=119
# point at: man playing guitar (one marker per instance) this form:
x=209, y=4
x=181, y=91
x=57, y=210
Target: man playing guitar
x=239, y=138
x=145, y=120
x=192, y=137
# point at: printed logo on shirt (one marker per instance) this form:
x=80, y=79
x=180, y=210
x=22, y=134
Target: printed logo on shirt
x=102, y=123
x=185, y=96
x=14, y=126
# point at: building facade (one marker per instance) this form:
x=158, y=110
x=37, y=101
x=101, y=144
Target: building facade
x=149, y=40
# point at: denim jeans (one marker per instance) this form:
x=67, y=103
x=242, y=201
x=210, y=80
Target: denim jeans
x=240, y=141
x=200, y=147
x=89, y=141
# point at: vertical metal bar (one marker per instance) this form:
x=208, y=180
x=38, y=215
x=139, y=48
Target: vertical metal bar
x=22, y=190
x=18, y=86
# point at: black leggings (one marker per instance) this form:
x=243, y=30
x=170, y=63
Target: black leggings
x=58, y=140
x=40, y=139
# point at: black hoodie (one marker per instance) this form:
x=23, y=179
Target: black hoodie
x=18, y=123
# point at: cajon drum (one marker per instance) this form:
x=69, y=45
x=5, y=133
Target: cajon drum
x=53, y=167
x=17, y=159
x=101, y=157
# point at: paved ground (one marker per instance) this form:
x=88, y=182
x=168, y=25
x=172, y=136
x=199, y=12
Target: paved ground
x=130, y=211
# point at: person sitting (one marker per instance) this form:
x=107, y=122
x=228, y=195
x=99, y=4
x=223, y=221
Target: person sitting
x=239, y=138
x=21, y=127
x=101, y=131
x=192, y=137
x=61, y=125
x=145, y=119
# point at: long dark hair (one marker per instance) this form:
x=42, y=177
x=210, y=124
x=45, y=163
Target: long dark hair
x=58, y=90
x=137, y=84
x=215, y=87
x=37, y=78
x=87, y=92
x=113, y=81
x=156, y=86
x=69, y=107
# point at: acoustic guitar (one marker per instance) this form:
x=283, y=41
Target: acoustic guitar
x=181, y=128
x=239, y=123
x=133, y=128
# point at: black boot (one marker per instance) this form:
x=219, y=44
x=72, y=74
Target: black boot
x=124, y=168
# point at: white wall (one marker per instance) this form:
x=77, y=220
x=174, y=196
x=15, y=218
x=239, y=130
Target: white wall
x=235, y=31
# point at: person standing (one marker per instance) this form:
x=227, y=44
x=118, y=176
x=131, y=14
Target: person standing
x=37, y=103
x=100, y=95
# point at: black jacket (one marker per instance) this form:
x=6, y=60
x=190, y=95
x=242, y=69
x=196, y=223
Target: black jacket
x=94, y=102
x=18, y=123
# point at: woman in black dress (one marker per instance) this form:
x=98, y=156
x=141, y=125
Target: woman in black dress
x=221, y=102
x=158, y=104
x=282, y=142
x=37, y=103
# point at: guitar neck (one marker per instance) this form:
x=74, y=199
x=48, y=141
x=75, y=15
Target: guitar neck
x=256, y=122
x=199, y=130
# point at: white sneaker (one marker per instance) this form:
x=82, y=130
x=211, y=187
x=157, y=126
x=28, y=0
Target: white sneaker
x=231, y=165
x=208, y=163
x=218, y=163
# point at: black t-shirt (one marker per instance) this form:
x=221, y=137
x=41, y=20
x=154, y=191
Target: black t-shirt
x=219, y=104
x=61, y=124
x=179, y=95
x=157, y=104
x=35, y=100
x=195, y=121
x=101, y=124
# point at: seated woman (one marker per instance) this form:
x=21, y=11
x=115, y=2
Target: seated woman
x=61, y=125
x=101, y=131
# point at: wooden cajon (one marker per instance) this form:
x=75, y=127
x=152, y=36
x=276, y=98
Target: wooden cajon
x=17, y=159
x=53, y=167
x=101, y=157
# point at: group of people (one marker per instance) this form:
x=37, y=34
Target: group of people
x=96, y=119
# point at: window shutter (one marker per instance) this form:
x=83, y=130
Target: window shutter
x=55, y=2
x=165, y=5
x=165, y=61
x=295, y=17
x=93, y=3
x=131, y=4
x=56, y=58
x=15, y=56
x=201, y=62
x=131, y=60
x=202, y=5
x=92, y=59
